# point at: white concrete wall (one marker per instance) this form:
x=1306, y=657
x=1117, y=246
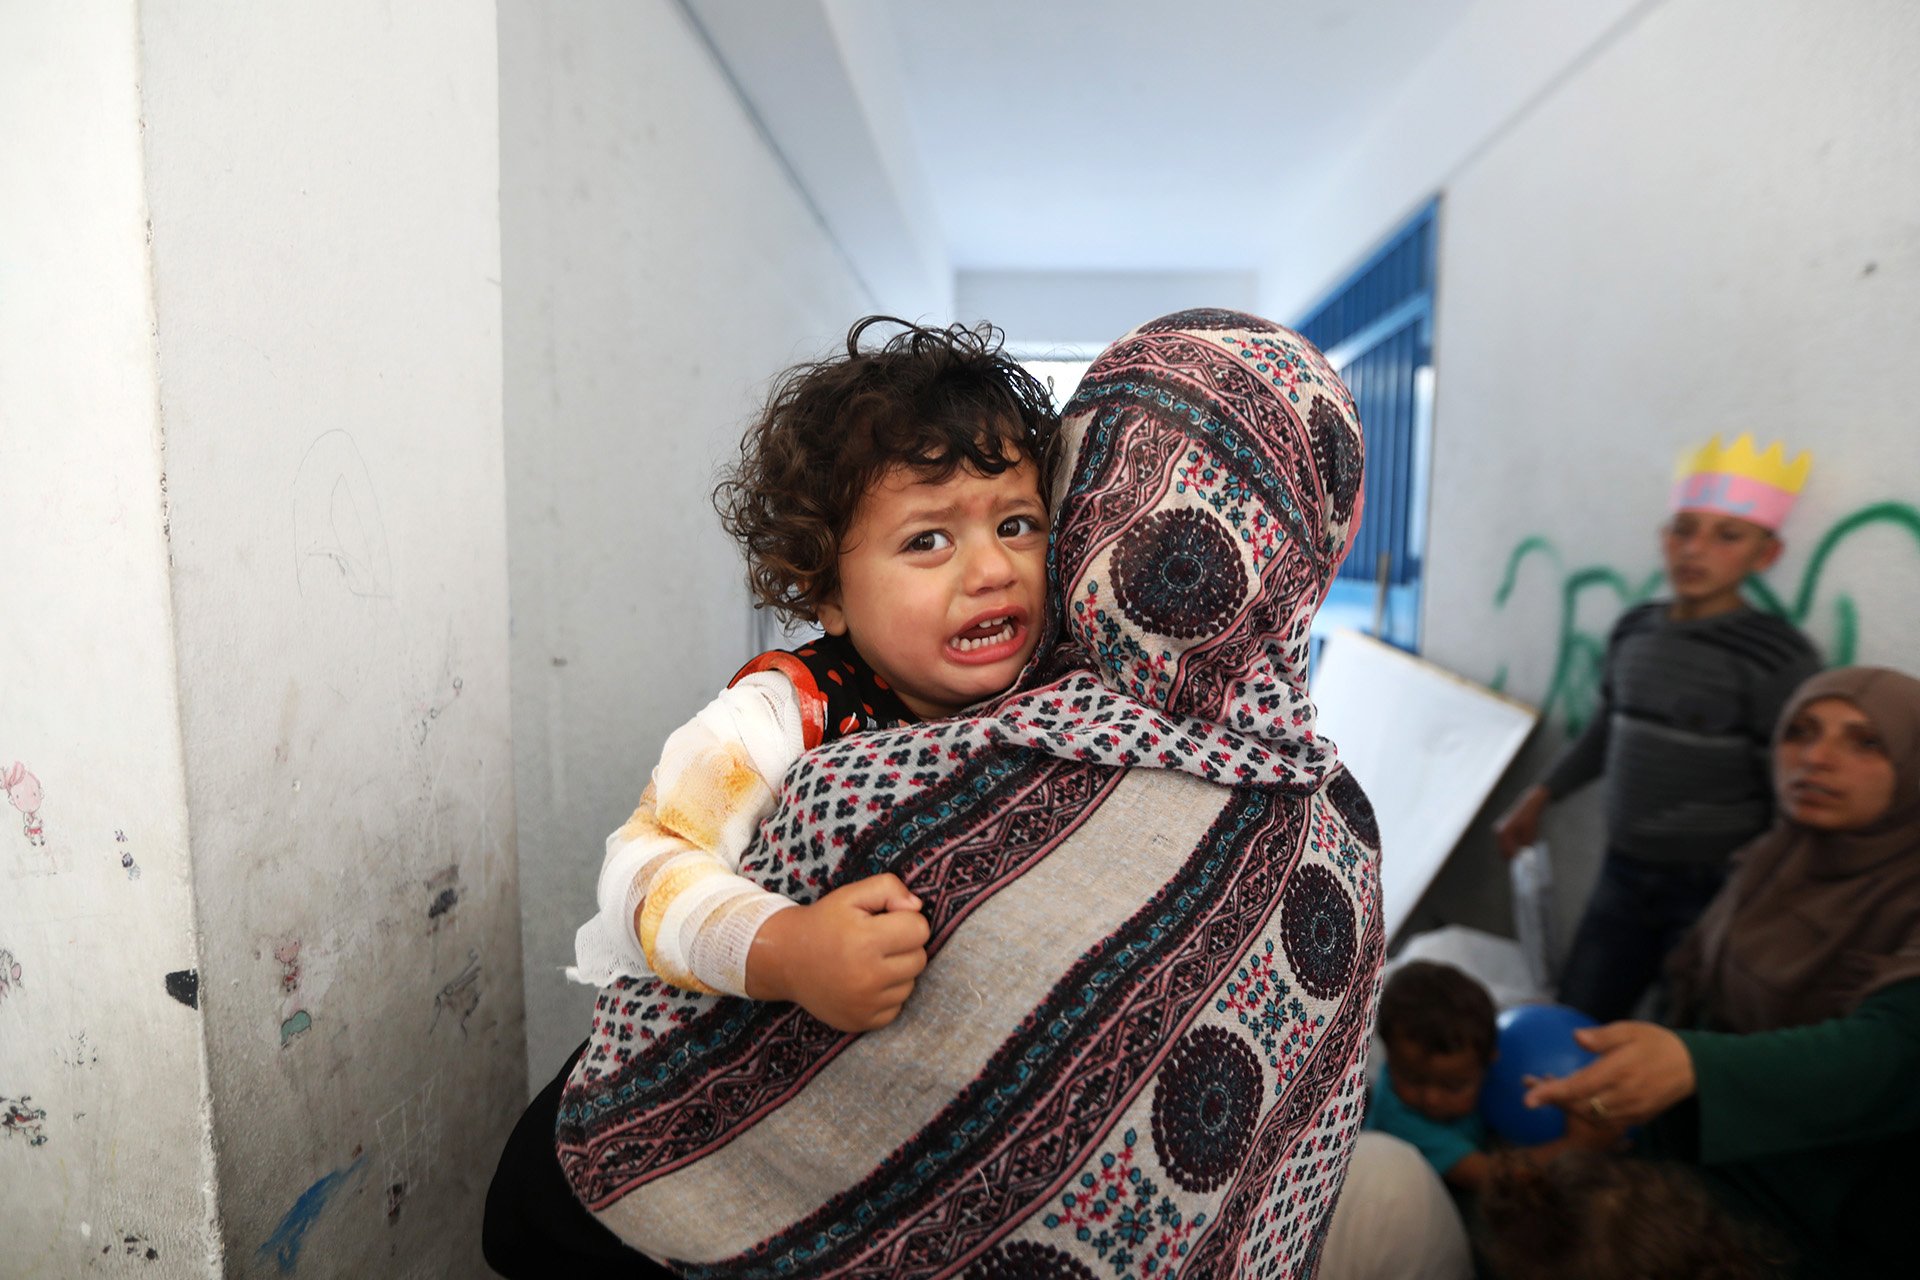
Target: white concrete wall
x=660, y=268
x=1491, y=70
x=323, y=191
x=1085, y=310
x=1710, y=227
x=104, y=1155
x=821, y=79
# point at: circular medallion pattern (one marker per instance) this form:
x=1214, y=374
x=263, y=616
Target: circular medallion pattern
x=1354, y=807
x=1179, y=574
x=1205, y=1105
x=1025, y=1260
x=1336, y=456
x=1316, y=927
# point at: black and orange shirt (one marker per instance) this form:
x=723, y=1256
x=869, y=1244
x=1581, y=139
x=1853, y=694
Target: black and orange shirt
x=839, y=692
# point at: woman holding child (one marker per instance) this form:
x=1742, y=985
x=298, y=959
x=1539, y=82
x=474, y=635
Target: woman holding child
x=1151, y=894
x=1792, y=1083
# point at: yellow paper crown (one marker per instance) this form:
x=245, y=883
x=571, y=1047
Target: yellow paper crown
x=1770, y=468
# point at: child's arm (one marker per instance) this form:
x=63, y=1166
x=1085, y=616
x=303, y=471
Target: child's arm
x=1471, y=1173
x=850, y=959
x=1579, y=764
x=673, y=904
x=1446, y=1147
x=671, y=900
x=1583, y=760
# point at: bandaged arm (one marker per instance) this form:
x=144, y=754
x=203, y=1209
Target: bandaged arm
x=671, y=900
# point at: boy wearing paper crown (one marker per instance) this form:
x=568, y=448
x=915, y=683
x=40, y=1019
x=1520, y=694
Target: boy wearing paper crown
x=1689, y=694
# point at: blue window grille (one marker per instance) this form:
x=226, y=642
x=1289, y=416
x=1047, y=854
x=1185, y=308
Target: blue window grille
x=1376, y=328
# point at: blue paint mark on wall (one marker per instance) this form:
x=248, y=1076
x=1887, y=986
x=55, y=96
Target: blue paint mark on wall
x=300, y=1021
x=290, y=1237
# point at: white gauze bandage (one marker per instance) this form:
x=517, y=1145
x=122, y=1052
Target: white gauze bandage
x=674, y=864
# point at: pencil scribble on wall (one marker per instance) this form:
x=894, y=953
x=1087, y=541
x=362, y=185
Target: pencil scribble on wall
x=409, y=1136
x=461, y=996
x=338, y=533
x=1573, y=687
x=437, y=700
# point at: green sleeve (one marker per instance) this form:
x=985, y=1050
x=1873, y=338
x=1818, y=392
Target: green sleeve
x=1836, y=1083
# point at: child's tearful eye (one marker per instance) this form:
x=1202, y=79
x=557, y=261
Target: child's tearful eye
x=931, y=540
x=1020, y=526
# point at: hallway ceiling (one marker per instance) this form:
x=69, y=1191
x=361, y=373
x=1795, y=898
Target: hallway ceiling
x=1140, y=134
x=1116, y=136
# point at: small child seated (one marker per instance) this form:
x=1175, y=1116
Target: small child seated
x=895, y=496
x=1439, y=1029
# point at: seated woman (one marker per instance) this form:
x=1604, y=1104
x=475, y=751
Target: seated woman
x=1792, y=1084
x=1138, y=1043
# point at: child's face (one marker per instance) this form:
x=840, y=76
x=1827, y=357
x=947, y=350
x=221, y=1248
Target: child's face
x=942, y=584
x=1709, y=555
x=1440, y=1086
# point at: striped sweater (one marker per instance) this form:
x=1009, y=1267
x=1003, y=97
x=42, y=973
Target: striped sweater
x=1682, y=732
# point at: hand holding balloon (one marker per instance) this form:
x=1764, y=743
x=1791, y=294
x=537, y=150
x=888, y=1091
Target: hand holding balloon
x=1642, y=1070
x=1537, y=1041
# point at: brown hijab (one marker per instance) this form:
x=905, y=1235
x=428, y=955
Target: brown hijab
x=1813, y=922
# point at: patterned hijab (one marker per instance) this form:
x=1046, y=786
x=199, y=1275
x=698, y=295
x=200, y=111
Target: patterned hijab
x=1139, y=1043
x=1211, y=489
x=1813, y=922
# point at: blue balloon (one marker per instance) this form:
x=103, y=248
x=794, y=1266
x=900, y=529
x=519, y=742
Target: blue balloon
x=1535, y=1040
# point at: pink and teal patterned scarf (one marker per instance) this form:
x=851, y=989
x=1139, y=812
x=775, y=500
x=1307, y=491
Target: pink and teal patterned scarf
x=1137, y=1049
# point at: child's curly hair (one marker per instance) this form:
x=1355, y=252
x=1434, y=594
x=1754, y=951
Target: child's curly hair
x=1591, y=1216
x=934, y=400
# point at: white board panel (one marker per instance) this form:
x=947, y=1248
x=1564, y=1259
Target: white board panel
x=1427, y=745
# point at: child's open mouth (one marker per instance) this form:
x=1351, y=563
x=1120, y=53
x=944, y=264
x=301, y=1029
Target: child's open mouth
x=989, y=638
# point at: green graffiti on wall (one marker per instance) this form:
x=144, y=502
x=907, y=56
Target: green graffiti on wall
x=1574, y=685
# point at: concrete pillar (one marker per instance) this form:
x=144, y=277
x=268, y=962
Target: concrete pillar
x=262, y=1003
